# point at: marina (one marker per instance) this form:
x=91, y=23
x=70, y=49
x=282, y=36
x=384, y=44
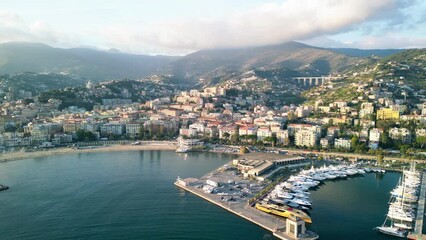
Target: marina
x=240, y=188
x=140, y=175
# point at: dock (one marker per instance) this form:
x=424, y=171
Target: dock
x=418, y=226
x=271, y=223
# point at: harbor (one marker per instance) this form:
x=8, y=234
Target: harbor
x=227, y=188
x=243, y=188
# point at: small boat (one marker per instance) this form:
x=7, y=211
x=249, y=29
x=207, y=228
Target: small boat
x=403, y=226
x=301, y=202
x=3, y=187
x=183, y=150
x=393, y=231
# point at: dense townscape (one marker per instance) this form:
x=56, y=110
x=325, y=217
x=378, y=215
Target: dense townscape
x=374, y=115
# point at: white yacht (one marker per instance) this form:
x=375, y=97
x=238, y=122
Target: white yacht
x=394, y=231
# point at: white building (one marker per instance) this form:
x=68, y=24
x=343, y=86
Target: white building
x=132, y=129
x=401, y=134
x=263, y=133
x=342, y=143
x=111, y=129
x=375, y=135
x=307, y=138
x=282, y=137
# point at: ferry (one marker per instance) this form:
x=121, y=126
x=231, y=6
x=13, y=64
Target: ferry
x=284, y=211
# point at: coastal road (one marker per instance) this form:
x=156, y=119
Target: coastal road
x=347, y=155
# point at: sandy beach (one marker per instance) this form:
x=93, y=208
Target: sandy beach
x=11, y=156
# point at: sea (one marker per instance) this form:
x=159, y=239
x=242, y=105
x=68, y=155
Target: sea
x=130, y=195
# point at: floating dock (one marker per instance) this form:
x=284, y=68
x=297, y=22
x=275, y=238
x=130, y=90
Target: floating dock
x=271, y=223
x=418, y=226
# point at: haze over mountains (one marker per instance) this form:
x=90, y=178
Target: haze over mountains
x=105, y=65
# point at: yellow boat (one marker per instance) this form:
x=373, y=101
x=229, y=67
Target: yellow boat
x=284, y=211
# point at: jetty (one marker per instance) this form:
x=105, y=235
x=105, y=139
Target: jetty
x=418, y=226
x=234, y=191
x=242, y=209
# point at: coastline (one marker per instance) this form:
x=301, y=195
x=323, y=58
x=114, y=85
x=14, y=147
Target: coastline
x=13, y=156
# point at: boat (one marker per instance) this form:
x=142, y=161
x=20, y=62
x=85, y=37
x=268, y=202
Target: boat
x=401, y=212
x=393, y=231
x=3, y=187
x=283, y=211
x=301, y=201
x=403, y=226
x=182, y=150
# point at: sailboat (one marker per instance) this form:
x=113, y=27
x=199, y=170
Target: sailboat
x=393, y=229
x=400, y=214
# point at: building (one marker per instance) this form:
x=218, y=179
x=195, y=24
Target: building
x=188, y=132
x=325, y=143
x=375, y=134
x=282, y=137
x=342, y=143
x=132, y=129
x=293, y=128
x=387, y=114
x=247, y=130
x=400, y=134
x=70, y=128
x=111, y=129
x=263, y=132
x=226, y=132
x=306, y=138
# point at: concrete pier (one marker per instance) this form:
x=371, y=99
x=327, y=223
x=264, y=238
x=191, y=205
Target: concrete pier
x=418, y=226
x=271, y=223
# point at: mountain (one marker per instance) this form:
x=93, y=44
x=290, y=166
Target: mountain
x=304, y=59
x=211, y=66
x=93, y=64
x=406, y=68
x=354, y=52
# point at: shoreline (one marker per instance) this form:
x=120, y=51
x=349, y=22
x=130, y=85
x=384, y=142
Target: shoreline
x=14, y=156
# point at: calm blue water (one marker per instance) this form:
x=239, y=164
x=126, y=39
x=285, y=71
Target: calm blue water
x=130, y=195
x=350, y=209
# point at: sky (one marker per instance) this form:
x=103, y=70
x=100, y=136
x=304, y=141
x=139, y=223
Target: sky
x=178, y=27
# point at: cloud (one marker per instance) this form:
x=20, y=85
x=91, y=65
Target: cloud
x=387, y=42
x=267, y=24
x=14, y=29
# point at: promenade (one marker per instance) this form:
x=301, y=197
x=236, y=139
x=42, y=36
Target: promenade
x=418, y=226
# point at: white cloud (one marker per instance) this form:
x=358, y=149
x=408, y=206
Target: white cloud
x=388, y=41
x=267, y=24
x=14, y=29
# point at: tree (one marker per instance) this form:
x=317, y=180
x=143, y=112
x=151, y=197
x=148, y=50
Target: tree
x=272, y=140
x=83, y=135
x=379, y=157
x=354, y=141
x=385, y=140
x=243, y=150
x=235, y=138
x=226, y=135
x=141, y=133
x=421, y=141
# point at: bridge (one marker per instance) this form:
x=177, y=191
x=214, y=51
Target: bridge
x=314, y=81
